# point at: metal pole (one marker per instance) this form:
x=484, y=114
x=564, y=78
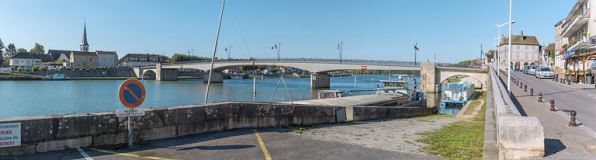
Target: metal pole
x=254, y=85
x=509, y=55
x=354, y=81
x=214, y=49
x=130, y=127
x=498, y=52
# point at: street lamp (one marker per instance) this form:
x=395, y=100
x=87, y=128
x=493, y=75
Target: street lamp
x=499, y=41
x=509, y=50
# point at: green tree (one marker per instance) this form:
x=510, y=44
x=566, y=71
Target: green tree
x=165, y=58
x=1, y=51
x=10, y=51
x=38, y=49
x=21, y=50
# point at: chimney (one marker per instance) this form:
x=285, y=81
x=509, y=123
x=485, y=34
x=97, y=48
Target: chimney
x=522, y=35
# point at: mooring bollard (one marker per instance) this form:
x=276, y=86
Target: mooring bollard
x=531, y=91
x=552, y=105
x=568, y=82
x=572, y=119
x=539, y=97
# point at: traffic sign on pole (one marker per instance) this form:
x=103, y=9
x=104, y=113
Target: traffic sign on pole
x=131, y=93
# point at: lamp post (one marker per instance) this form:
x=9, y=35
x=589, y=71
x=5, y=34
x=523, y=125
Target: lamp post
x=499, y=41
x=341, y=47
x=509, y=55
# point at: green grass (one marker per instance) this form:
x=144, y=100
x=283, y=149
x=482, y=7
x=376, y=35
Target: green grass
x=475, y=102
x=459, y=140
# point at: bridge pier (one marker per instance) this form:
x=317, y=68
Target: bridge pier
x=319, y=80
x=428, y=78
x=216, y=77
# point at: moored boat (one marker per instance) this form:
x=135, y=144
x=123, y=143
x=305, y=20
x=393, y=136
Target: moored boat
x=55, y=77
x=402, y=91
x=458, y=93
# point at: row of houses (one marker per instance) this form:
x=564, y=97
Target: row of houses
x=82, y=58
x=575, y=45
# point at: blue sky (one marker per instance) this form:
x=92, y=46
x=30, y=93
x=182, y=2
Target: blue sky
x=378, y=30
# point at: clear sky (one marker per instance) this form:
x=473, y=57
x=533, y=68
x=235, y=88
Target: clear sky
x=378, y=30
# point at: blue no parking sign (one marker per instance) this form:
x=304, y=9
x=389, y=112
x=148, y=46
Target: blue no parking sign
x=131, y=93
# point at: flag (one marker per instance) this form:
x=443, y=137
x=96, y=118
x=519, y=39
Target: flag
x=338, y=46
x=271, y=47
x=416, y=48
x=226, y=48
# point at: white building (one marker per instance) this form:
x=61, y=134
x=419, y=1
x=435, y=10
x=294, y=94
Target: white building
x=524, y=51
x=577, y=43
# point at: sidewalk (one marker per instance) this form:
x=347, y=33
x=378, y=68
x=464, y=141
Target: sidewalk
x=560, y=140
x=575, y=85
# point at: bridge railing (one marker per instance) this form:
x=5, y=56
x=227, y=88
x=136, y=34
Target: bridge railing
x=325, y=60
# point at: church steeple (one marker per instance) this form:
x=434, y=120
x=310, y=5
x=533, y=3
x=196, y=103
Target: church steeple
x=84, y=44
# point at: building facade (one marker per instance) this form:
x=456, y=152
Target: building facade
x=83, y=59
x=578, y=46
x=525, y=50
x=29, y=60
x=107, y=58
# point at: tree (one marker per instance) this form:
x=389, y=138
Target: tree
x=38, y=49
x=21, y=50
x=1, y=50
x=165, y=58
x=10, y=51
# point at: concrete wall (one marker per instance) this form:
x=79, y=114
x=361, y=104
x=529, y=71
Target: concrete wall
x=50, y=133
x=518, y=137
x=168, y=74
x=319, y=80
x=428, y=78
x=217, y=77
x=112, y=72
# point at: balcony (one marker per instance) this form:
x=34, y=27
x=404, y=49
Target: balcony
x=579, y=43
x=575, y=26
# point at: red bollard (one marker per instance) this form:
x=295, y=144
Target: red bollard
x=552, y=105
x=521, y=84
x=531, y=91
x=572, y=121
x=539, y=97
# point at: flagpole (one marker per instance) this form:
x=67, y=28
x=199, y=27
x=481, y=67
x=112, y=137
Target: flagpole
x=214, y=50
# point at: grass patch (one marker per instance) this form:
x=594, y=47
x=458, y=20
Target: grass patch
x=299, y=130
x=475, y=102
x=459, y=140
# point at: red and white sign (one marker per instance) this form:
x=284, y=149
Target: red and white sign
x=10, y=134
x=181, y=67
x=363, y=67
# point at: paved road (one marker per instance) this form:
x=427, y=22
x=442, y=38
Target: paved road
x=234, y=144
x=582, y=100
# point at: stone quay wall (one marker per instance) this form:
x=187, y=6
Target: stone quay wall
x=112, y=72
x=56, y=132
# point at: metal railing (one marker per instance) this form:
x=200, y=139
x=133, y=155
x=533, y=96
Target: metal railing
x=320, y=60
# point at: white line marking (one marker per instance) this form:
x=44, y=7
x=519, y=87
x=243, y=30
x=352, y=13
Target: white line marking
x=87, y=157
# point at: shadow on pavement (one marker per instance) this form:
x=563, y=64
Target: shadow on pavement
x=514, y=100
x=552, y=146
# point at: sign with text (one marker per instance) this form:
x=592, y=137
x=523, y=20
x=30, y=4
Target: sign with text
x=130, y=112
x=363, y=67
x=10, y=134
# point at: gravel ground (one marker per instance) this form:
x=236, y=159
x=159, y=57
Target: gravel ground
x=392, y=134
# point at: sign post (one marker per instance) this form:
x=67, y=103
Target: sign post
x=132, y=94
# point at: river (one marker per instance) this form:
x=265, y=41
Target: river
x=33, y=98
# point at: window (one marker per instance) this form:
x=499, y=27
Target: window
x=89, y=59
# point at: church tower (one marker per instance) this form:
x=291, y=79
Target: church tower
x=84, y=44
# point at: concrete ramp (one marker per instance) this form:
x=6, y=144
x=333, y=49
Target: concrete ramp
x=362, y=100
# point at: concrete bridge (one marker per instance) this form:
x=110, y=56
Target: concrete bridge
x=431, y=76
x=320, y=68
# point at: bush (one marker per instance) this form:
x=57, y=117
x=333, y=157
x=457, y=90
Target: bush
x=19, y=69
x=26, y=69
x=43, y=69
x=34, y=68
x=81, y=69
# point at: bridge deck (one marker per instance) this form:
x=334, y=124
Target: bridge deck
x=361, y=100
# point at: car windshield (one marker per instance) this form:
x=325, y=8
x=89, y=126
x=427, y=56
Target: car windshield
x=544, y=69
x=533, y=67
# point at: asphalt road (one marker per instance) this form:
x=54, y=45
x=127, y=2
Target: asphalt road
x=583, y=101
x=233, y=144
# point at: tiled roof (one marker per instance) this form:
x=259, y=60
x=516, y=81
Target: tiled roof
x=106, y=52
x=79, y=53
x=56, y=53
x=43, y=57
x=517, y=39
x=490, y=54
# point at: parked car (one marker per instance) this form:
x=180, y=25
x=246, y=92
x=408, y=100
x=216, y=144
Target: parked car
x=532, y=70
x=544, y=72
x=525, y=70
